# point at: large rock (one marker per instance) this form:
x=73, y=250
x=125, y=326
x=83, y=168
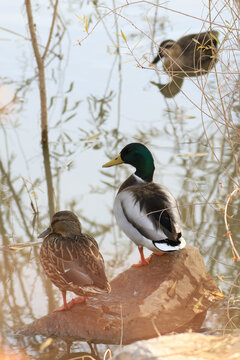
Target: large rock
x=172, y=293
x=188, y=346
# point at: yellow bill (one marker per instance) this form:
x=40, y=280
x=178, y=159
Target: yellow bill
x=116, y=161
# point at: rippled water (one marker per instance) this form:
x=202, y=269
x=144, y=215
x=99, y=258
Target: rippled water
x=99, y=99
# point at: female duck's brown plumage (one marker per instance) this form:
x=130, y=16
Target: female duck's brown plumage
x=190, y=55
x=72, y=260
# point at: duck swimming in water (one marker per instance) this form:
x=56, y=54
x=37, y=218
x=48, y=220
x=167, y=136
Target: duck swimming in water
x=72, y=260
x=144, y=210
x=190, y=55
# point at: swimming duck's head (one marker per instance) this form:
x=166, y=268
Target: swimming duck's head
x=163, y=49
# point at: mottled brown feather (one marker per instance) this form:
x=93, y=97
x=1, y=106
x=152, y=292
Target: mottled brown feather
x=73, y=263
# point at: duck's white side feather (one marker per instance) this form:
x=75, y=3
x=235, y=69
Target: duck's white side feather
x=138, y=225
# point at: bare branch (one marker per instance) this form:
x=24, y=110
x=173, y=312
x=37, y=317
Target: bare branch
x=51, y=30
x=43, y=100
x=236, y=256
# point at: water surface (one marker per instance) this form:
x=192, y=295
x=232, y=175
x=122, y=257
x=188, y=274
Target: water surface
x=99, y=86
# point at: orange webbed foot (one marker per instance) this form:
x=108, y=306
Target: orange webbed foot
x=146, y=261
x=142, y=262
x=69, y=305
x=62, y=308
x=77, y=300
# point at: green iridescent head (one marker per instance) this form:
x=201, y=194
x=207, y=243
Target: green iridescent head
x=137, y=155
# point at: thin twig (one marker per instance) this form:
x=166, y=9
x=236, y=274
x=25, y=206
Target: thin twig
x=236, y=256
x=51, y=30
x=26, y=38
x=121, y=337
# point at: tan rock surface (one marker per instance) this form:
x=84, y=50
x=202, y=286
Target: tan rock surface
x=188, y=346
x=172, y=293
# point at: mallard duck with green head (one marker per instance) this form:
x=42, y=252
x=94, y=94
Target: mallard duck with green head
x=71, y=259
x=191, y=54
x=146, y=211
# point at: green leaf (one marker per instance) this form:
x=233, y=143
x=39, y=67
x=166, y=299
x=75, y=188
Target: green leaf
x=215, y=38
x=51, y=102
x=71, y=87
x=76, y=104
x=65, y=105
x=67, y=136
x=70, y=117
x=58, y=123
x=196, y=41
x=124, y=37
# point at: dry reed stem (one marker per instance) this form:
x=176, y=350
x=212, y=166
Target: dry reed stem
x=236, y=256
x=107, y=352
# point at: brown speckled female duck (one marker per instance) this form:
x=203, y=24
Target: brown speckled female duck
x=191, y=54
x=72, y=260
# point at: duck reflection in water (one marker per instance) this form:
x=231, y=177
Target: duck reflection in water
x=72, y=260
x=191, y=55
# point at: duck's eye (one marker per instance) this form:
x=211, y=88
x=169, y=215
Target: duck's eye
x=168, y=46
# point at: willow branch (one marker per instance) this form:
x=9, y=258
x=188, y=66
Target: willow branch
x=41, y=71
x=43, y=100
x=51, y=30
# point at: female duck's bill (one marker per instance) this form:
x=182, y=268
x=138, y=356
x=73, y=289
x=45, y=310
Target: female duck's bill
x=44, y=233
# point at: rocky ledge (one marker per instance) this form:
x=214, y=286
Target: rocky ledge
x=171, y=294
x=188, y=346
